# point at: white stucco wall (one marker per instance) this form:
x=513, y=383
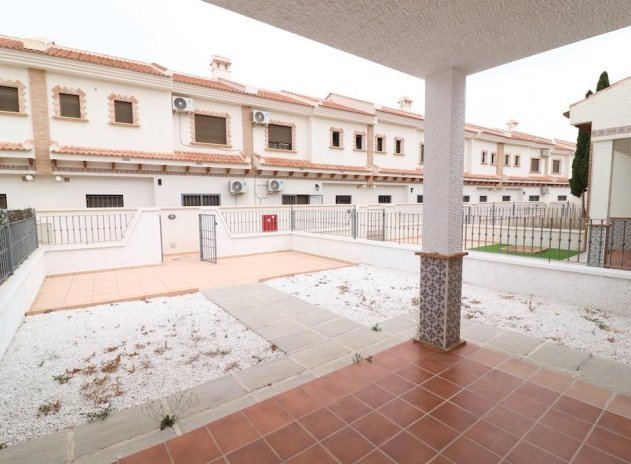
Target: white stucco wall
x=410, y=157
x=322, y=153
x=605, y=109
x=620, y=203
x=601, y=159
x=302, y=136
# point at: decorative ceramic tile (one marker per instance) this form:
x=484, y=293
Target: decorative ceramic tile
x=597, y=245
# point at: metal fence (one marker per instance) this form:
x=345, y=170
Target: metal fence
x=17, y=241
x=526, y=210
x=70, y=229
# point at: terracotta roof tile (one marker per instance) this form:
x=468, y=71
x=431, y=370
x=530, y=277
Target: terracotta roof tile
x=564, y=145
x=304, y=164
x=338, y=106
x=475, y=176
x=536, y=179
x=204, y=82
x=515, y=135
x=13, y=146
x=408, y=172
x=313, y=99
x=175, y=156
x=407, y=114
x=269, y=95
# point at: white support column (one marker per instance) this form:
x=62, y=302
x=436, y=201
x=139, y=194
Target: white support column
x=441, y=258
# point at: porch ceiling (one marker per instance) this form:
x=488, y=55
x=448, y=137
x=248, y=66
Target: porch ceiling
x=420, y=37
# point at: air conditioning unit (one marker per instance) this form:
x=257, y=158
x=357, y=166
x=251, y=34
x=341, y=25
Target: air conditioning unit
x=183, y=104
x=545, y=190
x=237, y=187
x=545, y=153
x=260, y=117
x=275, y=185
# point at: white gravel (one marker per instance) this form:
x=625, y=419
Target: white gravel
x=369, y=294
x=156, y=347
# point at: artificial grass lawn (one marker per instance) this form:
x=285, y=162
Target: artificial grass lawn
x=553, y=253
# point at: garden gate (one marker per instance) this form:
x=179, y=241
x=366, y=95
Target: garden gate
x=208, y=238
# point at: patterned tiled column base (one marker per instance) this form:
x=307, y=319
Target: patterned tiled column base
x=597, y=245
x=440, y=300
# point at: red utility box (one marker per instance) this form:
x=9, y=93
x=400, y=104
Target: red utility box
x=270, y=223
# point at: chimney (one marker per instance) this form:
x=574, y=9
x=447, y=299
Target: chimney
x=220, y=67
x=405, y=103
x=511, y=125
x=39, y=44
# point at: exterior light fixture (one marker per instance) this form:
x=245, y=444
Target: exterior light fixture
x=317, y=187
x=28, y=177
x=171, y=216
x=59, y=178
x=411, y=189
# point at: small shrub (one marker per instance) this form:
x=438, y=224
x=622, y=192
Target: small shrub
x=357, y=358
x=369, y=358
x=62, y=379
x=99, y=414
x=168, y=411
x=168, y=421
x=49, y=408
x=376, y=327
x=3, y=445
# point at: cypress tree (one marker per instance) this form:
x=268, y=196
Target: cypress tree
x=603, y=81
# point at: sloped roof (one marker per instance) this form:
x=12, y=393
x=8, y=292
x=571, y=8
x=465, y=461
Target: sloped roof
x=406, y=114
x=304, y=164
x=15, y=146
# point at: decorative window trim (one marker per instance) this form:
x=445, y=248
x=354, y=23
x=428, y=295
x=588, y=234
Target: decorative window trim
x=21, y=97
x=341, y=131
x=217, y=114
x=538, y=171
x=293, y=136
x=402, y=152
x=381, y=152
x=123, y=98
x=484, y=157
x=552, y=171
x=364, y=144
x=57, y=103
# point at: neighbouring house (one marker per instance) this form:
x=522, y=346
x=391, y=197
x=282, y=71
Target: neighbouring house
x=80, y=129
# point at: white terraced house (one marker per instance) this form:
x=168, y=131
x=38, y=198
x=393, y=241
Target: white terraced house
x=80, y=129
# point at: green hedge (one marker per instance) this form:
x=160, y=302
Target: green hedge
x=8, y=216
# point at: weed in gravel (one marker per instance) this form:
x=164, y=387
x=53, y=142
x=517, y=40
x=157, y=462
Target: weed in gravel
x=342, y=289
x=415, y=301
x=231, y=366
x=376, y=328
x=475, y=302
x=357, y=358
x=111, y=366
x=274, y=348
x=99, y=414
x=140, y=346
x=507, y=297
x=192, y=359
x=41, y=363
x=109, y=349
x=3, y=445
x=168, y=411
x=369, y=358
x=601, y=325
x=168, y=421
x=49, y=408
x=62, y=378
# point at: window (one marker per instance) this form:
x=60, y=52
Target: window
x=533, y=198
x=466, y=199
x=123, y=112
x=483, y=159
x=398, y=146
x=534, y=164
x=336, y=140
x=556, y=166
x=419, y=198
x=210, y=129
x=69, y=105
x=422, y=155
x=3, y=201
x=301, y=199
x=483, y=198
x=9, y=99
x=505, y=197
x=493, y=158
x=384, y=199
x=104, y=201
x=343, y=199
x=517, y=161
x=381, y=142
x=506, y=160
x=280, y=137
x=193, y=199
x=359, y=141
x=562, y=198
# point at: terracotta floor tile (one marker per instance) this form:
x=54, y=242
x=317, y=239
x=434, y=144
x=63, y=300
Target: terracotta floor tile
x=570, y=425
x=472, y=402
x=488, y=357
x=390, y=360
x=232, y=432
x=589, y=393
x=503, y=379
x=347, y=445
x=376, y=457
x=374, y=396
x=589, y=455
x=466, y=349
x=350, y=378
x=524, y=406
x=553, y=441
x=447, y=357
x=324, y=390
x=433, y=365
x=350, y=408
x=458, y=376
x=376, y=428
x=465, y=451
x=406, y=449
x=415, y=374
x=611, y=443
x=509, y=420
x=432, y=432
x=552, y=380
x=322, y=423
x=525, y=453
x=155, y=455
x=453, y=416
x=258, y=452
x=298, y=402
x=615, y=423
x=400, y=412
x=473, y=367
x=395, y=384
x=441, y=387
x=537, y=393
x=489, y=390
x=315, y=454
x=267, y=416
x=577, y=408
x=621, y=405
x=492, y=437
x=290, y=440
x=518, y=368
x=422, y=399
x=195, y=447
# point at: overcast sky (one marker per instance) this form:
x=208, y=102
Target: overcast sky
x=183, y=34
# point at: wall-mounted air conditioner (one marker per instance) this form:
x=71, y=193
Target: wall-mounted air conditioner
x=275, y=185
x=237, y=187
x=260, y=117
x=183, y=104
